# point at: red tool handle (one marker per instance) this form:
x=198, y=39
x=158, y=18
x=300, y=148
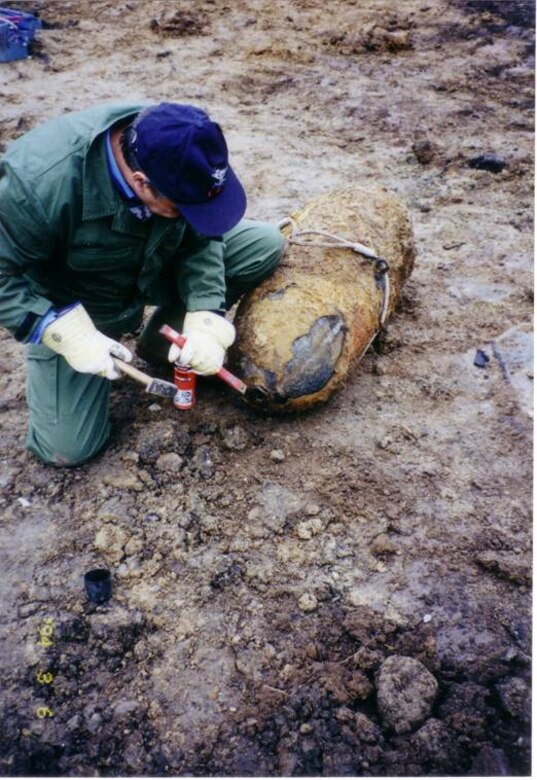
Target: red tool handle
x=232, y=380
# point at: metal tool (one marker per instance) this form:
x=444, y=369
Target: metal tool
x=255, y=395
x=152, y=385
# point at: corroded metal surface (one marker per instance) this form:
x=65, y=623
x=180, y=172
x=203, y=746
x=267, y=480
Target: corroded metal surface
x=303, y=329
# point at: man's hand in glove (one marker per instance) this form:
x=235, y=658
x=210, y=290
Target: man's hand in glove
x=207, y=337
x=73, y=335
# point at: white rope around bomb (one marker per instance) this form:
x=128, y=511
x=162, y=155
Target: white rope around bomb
x=382, y=268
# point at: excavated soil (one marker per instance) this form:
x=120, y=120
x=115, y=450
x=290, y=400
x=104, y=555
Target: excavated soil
x=345, y=592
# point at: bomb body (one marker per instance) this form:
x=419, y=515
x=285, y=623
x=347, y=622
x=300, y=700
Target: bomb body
x=301, y=332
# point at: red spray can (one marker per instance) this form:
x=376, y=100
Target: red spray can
x=185, y=381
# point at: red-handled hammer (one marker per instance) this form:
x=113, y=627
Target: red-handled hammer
x=232, y=380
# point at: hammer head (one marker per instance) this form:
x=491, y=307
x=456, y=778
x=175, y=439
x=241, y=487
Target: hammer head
x=162, y=388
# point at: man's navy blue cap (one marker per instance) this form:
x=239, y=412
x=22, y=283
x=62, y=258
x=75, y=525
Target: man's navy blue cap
x=185, y=156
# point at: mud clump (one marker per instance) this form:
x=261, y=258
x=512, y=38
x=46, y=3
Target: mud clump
x=391, y=37
x=515, y=697
x=406, y=691
x=488, y=162
x=434, y=745
x=179, y=24
x=514, y=12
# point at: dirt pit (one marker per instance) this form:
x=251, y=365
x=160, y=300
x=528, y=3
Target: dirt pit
x=345, y=592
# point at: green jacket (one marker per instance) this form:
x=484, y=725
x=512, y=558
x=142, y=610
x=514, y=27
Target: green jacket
x=66, y=235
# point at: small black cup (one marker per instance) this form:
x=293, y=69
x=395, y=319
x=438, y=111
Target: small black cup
x=98, y=584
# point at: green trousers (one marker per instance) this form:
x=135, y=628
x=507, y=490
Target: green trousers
x=68, y=411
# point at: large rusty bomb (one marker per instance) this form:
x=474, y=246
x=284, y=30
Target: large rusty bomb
x=303, y=329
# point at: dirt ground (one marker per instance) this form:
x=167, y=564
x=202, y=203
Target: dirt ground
x=265, y=569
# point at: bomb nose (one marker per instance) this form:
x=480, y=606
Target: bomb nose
x=259, y=396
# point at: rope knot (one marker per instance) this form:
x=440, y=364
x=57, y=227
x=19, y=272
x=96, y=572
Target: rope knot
x=382, y=277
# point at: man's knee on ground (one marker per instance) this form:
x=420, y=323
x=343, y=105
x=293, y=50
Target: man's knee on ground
x=265, y=248
x=62, y=451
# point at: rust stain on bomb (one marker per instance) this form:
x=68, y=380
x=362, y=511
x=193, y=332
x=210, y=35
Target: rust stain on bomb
x=304, y=328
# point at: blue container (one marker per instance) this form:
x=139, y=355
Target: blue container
x=13, y=44
x=17, y=29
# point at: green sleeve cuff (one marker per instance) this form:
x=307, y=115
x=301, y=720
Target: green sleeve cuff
x=205, y=303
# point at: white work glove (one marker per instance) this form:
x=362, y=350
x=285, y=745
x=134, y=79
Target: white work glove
x=86, y=349
x=207, y=337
